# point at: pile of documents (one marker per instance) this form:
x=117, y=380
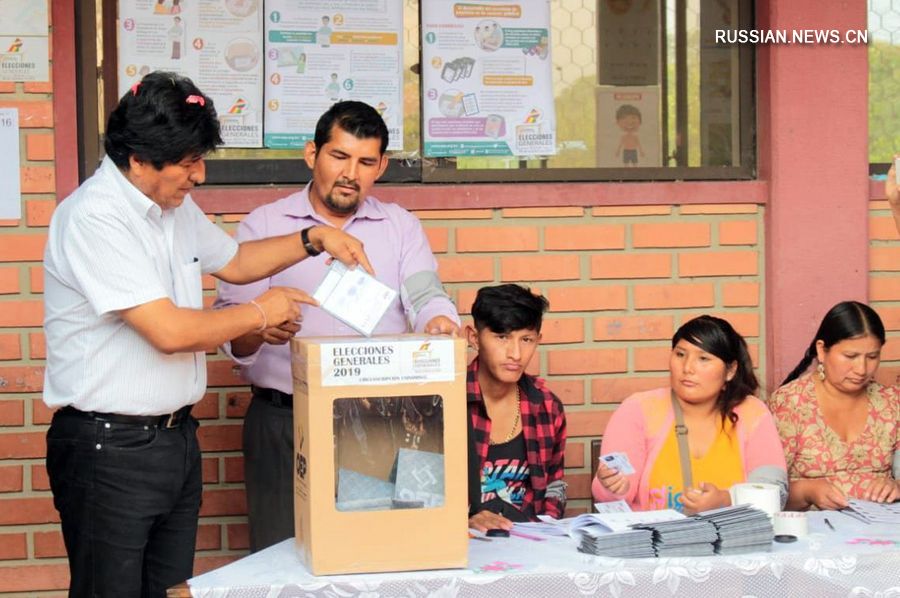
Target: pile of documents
x=873, y=512
x=683, y=537
x=740, y=529
x=634, y=543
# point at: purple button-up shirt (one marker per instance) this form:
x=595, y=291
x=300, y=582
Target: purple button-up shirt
x=397, y=248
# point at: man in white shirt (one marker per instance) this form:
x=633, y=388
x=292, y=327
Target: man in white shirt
x=126, y=334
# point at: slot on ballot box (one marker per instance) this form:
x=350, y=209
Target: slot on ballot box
x=380, y=453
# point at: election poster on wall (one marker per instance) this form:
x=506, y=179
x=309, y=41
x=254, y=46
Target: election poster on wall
x=486, y=79
x=24, y=41
x=319, y=52
x=217, y=43
x=628, y=126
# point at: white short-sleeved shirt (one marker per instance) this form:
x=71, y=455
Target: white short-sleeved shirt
x=111, y=248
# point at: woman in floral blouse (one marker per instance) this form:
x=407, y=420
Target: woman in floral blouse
x=840, y=428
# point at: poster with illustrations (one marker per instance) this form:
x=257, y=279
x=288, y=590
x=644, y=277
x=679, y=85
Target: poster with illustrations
x=24, y=45
x=628, y=127
x=628, y=37
x=217, y=43
x=319, y=52
x=487, y=79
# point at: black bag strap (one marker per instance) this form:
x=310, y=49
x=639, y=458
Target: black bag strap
x=684, y=452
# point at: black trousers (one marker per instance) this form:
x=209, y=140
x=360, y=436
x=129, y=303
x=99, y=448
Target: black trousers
x=269, y=472
x=128, y=496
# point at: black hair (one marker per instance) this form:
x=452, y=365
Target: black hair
x=508, y=307
x=847, y=319
x=627, y=110
x=357, y=118
x=717, y=337
x=162, y=120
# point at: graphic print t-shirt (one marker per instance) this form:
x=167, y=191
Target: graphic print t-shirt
x=505, y=473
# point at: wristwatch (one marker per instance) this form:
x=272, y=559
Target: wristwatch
x=307, y=244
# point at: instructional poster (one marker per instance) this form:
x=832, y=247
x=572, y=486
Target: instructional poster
x=24, y=46
x=628, y=127
x=217, y=43
x=319, y=52
x=486, y=76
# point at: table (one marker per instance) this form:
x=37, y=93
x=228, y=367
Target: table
x=854, y=560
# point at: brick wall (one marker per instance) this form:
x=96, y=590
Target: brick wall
x=884, y=284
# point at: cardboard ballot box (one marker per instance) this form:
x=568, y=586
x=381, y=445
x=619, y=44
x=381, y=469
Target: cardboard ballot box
x=380, y=453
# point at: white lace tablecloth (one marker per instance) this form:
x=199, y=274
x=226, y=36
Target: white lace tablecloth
x=855, y=560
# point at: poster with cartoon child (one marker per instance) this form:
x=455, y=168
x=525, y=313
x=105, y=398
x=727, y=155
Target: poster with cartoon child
x=628, y=128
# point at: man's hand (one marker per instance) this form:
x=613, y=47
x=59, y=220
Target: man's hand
x=613, y=480
x=822, y=494
x=442, y=325
x=279, y=335
x=345, y=248
x=485, y=520
x=281, y=305
x=704, y=498
x=882, y=490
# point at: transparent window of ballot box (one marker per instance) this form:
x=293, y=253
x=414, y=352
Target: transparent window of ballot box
x=389, y=453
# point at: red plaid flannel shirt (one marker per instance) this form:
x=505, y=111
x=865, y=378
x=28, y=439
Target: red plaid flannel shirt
x=544, y=427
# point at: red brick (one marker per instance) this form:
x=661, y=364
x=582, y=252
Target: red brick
x=494, y=238
x=236, y=404
x=631, y=211
x=238, y=536
x=539, y=267
x=37, y=179
x=39, y=211
x=218, y=503
x=22, y=248
x=22, y=445
x=438, y=239
x=37, y=344
x=740, y=294
x=39, y=86
x=890, y=316
x=651, y=359
x=574, y=454
x=36, y=275
x=465, y=269
x=12, y=412
x=210, y=470
x=32, y=115
x=737, y=232
x=587, y=361
x=208, y=282
x=207, y=407
x=13, y=547
x=39, y=478
x=214, y=438
x=562, y=330
x=40, y=413
x=670, y=234
x=33, y=578
x=745, y=323
x=11, y=477
x=14, y=314
x=21, y=379
x=465, y=298
x=234, y=470
x=232, y=218
x=202, y=564
x=884, y=288
x=585, y=237
x=882, y=229
x=570, y=212
x=579, y=486
x=631, y=265
x=7, y=87
x=209, y=537
x=24, y=511
x=590, y=422
x=222, y=372
x=596, y=297
x=9, y=281
x=669, y=296
x=700, y=208
x=39, y=146
x=485, y=214
x=619, y=328
x=49, y=545
x=886, y=259
x=719, y=263
x=10, y=346
x=570, y=392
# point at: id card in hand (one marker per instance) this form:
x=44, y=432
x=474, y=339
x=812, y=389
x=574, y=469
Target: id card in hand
x=354, y=297
x=618, y=461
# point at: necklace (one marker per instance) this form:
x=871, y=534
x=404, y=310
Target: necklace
x=512, y=431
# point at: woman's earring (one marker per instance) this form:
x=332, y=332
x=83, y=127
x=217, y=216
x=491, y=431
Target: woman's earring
x=820, y=371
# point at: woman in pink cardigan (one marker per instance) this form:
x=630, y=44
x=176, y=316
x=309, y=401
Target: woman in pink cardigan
x=730, y=434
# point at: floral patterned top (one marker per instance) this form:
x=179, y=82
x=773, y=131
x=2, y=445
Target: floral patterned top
x=813, y=450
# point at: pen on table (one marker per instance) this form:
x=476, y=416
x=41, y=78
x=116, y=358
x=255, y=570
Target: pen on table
x=828, y=523
x=474, y=537
x=526, y=536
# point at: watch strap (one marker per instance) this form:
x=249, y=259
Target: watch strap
x=307, y=244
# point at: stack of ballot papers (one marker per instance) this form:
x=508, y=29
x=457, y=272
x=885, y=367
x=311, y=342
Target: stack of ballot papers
x=873, y=512
x=741, y=528
x=634, y=543
x=682, y=537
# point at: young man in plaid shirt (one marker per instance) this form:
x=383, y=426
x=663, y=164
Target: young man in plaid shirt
x=518, y=428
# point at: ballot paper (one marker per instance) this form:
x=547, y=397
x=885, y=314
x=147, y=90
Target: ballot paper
x=354, y=297
x=873, y=512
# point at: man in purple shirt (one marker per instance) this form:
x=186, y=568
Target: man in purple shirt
x=346, y=159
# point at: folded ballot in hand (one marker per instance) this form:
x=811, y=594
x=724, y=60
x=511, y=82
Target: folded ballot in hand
x=354, y=297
